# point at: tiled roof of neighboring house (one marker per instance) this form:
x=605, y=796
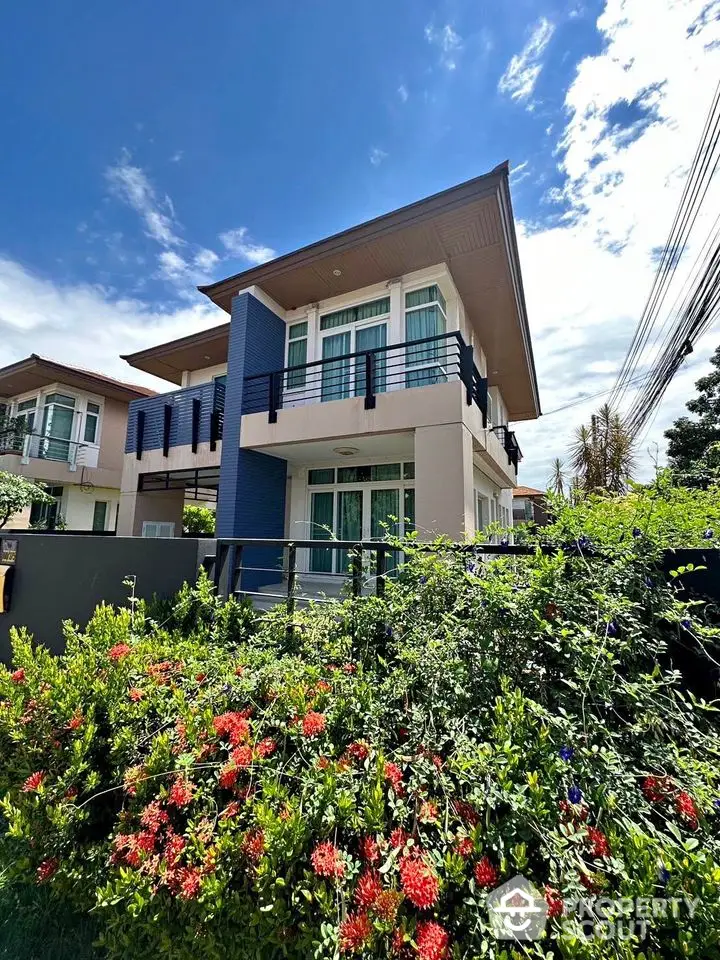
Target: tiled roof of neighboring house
x=145, y=391
x=34, y=372
x=528, y=492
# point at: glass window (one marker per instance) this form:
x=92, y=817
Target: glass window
x=221, y=379
x=157, y=529
x=60, y=398
x=45, y=515
x=433, y=294
x=297, y=354
x=385, y=471
x=353, y=474
x=99, y=515
x=409, y=510
x=28, y=409
x=335, y=383
x=408, y=471
x=321, y=526
x=57, y=426
x=92, y=418
x=321, y=476
x=364, y=311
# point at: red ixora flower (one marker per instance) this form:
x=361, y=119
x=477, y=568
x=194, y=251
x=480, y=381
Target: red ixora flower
x=242, y=756
x=253, y=845
x=327, y=861
x=359, y=751
x=599, y=846
x=119, y=651
x=181, y=793
x=76, y=721
x=686, y=809
x=555, y=902
x=233, y=726
x=367, y=889
x=432, y=940
x=419, y=882
x=394, y=774
x=136, y=694
x=464, y=846
x=387, y=904
x=428, y=812
x=47, y=869
x=266, y=747
x=187, y=882
x=154, y=817
x=34, y=781
x=369, y=849
x=313, y=724
x=486, y=874
x=656, y=788
x=398, y=838
x=466, y=812
x=18, y=676
x=355, y=931
x=228, y=776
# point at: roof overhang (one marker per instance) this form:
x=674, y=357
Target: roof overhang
x=168, y=361
x=36, y=373
x=469, y=227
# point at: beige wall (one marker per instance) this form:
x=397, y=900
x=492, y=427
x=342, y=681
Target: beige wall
x=158, y=507
x=444, y=481
x=112, y=441
x=178, y=458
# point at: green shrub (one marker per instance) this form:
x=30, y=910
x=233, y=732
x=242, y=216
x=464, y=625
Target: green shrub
x=357, y=781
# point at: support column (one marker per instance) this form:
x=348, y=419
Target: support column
x=444, y=482
x=158, y=507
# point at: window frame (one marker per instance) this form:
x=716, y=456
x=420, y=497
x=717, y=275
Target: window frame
x=298, y=379
x=433, y=357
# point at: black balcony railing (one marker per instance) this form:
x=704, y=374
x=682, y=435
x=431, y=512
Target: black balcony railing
x=509, y=441
x=367, y=373
x=35, y=446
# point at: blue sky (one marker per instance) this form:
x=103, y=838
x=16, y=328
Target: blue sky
x=151, y=146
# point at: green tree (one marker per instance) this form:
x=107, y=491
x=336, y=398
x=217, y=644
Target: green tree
x=689, y=440
x=602, y=455
x=198, y=521
x=17, y=493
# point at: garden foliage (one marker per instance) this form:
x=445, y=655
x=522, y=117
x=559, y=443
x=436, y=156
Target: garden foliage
x=356, y=781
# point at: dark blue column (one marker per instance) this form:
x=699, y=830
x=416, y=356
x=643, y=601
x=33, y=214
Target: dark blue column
x=251, y=498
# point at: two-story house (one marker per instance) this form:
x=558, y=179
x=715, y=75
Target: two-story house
x=69, y=432
x=365, y=381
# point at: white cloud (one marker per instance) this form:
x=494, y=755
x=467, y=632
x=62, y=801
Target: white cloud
x=403, y=93
x=238, y=244
x=520, y=173
x=172, y=265
x=132, y=186
x=524, y=68
x=177, y=156
x=377, y=156
x=206, y=259
x=84, y=325
x=587, y=277
x=447, y=41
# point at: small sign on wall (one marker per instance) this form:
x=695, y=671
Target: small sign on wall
x=8, y=550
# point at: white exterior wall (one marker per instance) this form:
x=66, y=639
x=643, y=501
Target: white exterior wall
x=192, y=378
x=77, y=507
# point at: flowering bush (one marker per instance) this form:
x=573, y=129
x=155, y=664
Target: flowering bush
x=218, y=785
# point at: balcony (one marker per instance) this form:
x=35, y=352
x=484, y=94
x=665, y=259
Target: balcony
x=416, y=363
x=509, y=441
x=33, y=446
x=186, y=417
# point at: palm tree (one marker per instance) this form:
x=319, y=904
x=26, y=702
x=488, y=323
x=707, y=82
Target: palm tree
x=602, y=454
x=556, y=483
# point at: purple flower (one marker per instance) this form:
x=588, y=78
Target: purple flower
x=575, y=794
x=423, y=579
x=567, y=753
x=637, y=532
x=389, y=632
x=649, y=583
x=709, y=534
x=663, y=876
x=472, y=567
x=504, y=541
x=611, y=629
x=584, y=543
x=686, y=624
x=716, y=804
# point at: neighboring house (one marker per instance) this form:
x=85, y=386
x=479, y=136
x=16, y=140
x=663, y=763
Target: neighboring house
x=70, y=428
x=370, y=376
x=529, y=506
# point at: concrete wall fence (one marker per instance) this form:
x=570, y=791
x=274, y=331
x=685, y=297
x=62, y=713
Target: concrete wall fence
x=60, y=577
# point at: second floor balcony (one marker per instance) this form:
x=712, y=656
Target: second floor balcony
x=188, y=417
x=34, y=446
x=368, y=373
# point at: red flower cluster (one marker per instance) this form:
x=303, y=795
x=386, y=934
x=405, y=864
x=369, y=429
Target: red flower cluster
x=369, y=849
x=313, y=724
x=419, y=882
x=355, y=932
x=327, y=861
x=573, y=812
x=394, y=775
x=599, y=846
x=555, y=903
x=368, y=889
x=685, y=807
x=359, y=751
x=242, y=756
x=34, y=781
x=231, y=810
x=386, y=905
x=467, y=813
x=154, y=818
x=18, y=676
x=253, y=845
x=228, y=776
x=398, y=838
x=181, y=793
x=464, y=846
x=432, y=940
x=266, y=747
x=47, y=869
x=136, y=694
x=184, y=882
x=119, y=651
x=656, y=789
x=486, y=874
x=429, y=812
x=233, y=726
x=76, y=721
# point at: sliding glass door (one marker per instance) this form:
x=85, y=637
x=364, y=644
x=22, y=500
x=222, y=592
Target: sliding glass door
x=335, y=375
x=57, y=427
x=370, y=338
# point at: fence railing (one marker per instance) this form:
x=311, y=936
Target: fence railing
x=185, y=417
x=32, y=446
x=367, y=373
x=510, y=444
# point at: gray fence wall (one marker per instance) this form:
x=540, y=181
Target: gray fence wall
x=60, y=577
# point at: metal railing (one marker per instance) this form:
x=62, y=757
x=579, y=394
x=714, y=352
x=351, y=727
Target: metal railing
x=189, y=417
x=32, y=446
x=510, y=445
x=367, y=373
